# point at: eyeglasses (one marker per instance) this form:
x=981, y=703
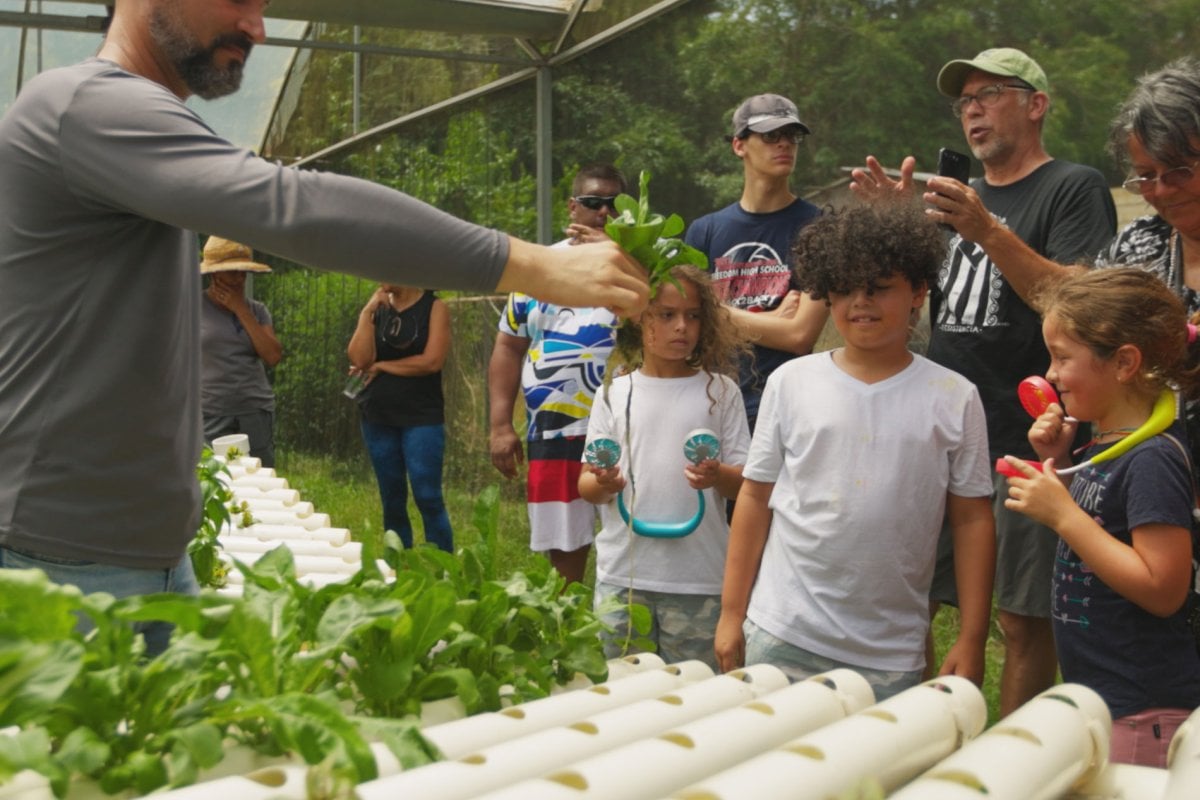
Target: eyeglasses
x=987, y=97
x=1173, y=177
x=595, y=202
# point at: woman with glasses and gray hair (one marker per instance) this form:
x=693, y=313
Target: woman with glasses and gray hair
x=1156, y=134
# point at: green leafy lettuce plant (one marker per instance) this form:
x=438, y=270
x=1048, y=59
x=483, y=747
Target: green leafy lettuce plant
x=284, y=669
x=651, y=238
x=216, y=500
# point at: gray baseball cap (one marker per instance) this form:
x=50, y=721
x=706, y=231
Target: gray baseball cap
x=766, y=112
x=1007, y=61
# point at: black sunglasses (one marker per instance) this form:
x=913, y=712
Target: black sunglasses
x=595, y=202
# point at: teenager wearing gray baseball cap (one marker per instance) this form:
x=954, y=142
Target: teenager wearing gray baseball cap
x=748, y=242
x=764, y=113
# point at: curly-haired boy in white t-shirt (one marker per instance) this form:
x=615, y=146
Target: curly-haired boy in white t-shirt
x=857, y=454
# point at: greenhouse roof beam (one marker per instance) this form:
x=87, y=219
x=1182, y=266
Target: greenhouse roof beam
x=531, y=19
x=406, y=52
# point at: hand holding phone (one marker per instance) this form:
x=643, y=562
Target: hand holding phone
x=952, y=164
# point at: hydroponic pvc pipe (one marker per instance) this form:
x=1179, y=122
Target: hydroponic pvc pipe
x=265, y=531
x=1183, y=761
x=890, y=742
x=451, y=709
x=264, y=479
x=647, y=769
x=1125, y=782
x=222, y=444
x=1060, y=740
x=250, y=493
x=286, y=516
x=537, y=754
x=462, y=737
x=243, y=466
x=258, y=502
x=305, y=565
x=350, y=551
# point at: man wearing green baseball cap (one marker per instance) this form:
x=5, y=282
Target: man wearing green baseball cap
x=982, y=325
x=1006, y=62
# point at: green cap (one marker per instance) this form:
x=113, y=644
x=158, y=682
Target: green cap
x=1006, y=61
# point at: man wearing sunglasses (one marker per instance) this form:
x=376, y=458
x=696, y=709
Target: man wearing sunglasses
x=556, y=356
x=982, y=325
x=748, y=243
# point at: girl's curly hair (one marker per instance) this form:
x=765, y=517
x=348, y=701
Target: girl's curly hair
x=846, y=249
x=721, y=339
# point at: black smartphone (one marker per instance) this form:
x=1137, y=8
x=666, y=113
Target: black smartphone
x=952, y=164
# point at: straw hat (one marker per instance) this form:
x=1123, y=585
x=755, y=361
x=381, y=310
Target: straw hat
x=222, y=255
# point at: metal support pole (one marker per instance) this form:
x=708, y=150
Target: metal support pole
x=545, y=165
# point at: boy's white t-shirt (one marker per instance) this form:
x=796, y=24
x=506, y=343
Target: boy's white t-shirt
x=861, y=475
x=663, y=411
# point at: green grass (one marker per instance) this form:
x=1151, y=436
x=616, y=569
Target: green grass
x=347, y=492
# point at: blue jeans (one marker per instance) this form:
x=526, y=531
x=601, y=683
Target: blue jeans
x=91, y=577
x=410, y=455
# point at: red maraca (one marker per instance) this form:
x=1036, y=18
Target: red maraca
x=1036, y=394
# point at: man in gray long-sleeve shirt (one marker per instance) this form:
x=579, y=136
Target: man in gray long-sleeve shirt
x=105, y=176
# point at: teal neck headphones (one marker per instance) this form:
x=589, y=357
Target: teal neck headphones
x=700, y=445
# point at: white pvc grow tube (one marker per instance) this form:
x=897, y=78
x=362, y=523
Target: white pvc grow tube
x=1060, y=739
x=890, y=742
x=462, y=737
x=537, y=754
x=647, y=769
x=336, y=536
x=1183, y=761
x=288, y=497
x=258, y=502
x=223, y=444
x=350, y=551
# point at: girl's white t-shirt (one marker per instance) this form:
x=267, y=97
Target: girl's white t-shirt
x=651, y=425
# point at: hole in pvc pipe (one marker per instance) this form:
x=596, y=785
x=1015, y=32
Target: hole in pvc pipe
x=941, y=687
x=807, y=750
x=879, y=713
x=585, y=727
x=1016, y=733
x=961, y=778
x=602, y=689
x=477, y=758
x=673, y=669
x=271, y=776
x=515, y=713
x=681, y=739
x=572, y=780
x=1062, y=698
x=761, y=708
x=671, y=699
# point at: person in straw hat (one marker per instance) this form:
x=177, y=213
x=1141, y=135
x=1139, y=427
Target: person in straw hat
x=237, y=344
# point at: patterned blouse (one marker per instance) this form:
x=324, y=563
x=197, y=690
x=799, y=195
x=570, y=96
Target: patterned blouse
x=1151, y=243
